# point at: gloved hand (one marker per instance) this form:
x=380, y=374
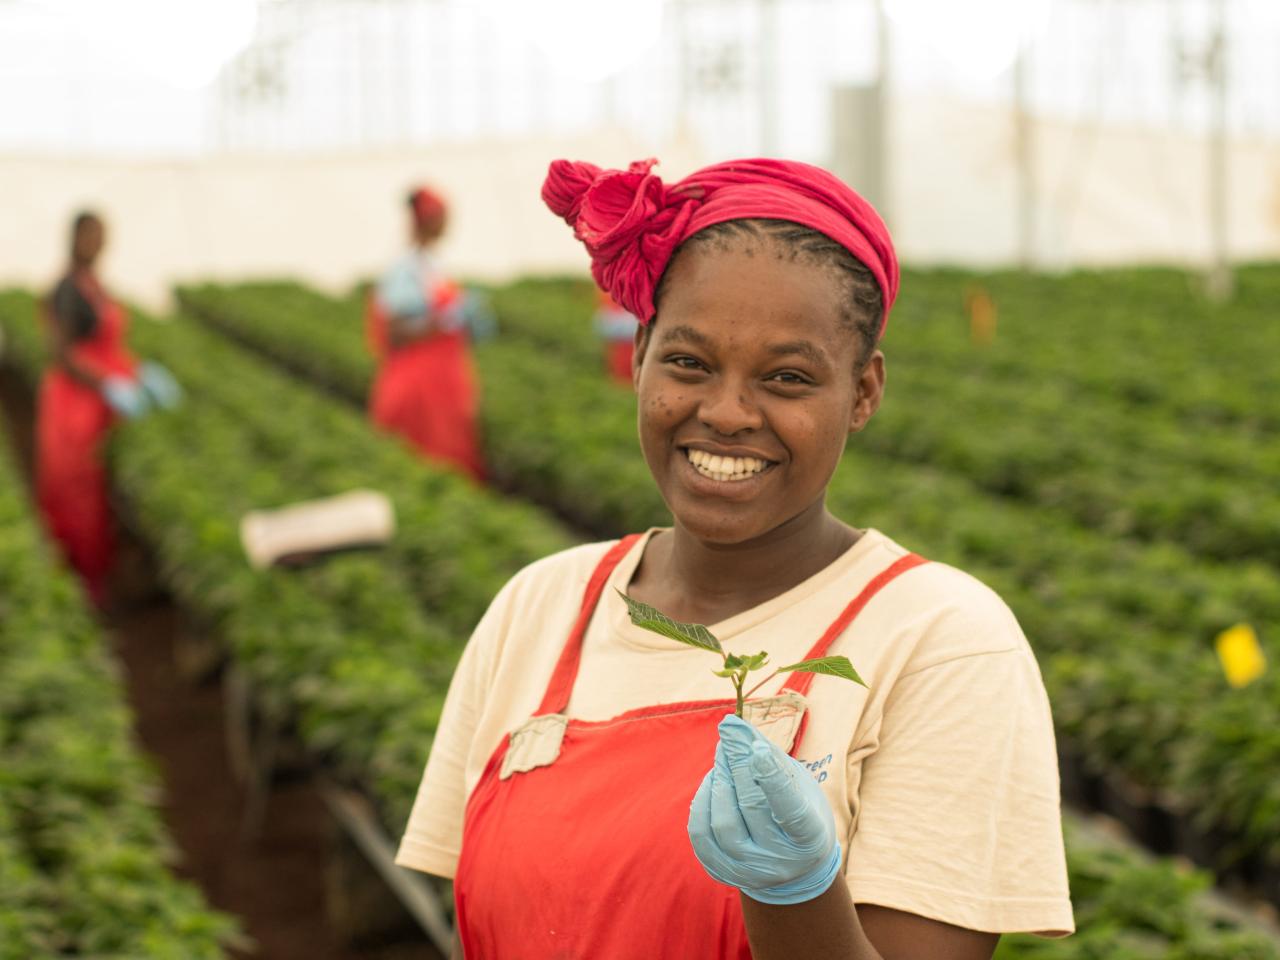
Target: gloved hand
x=124, y=396
x=760, y=822
x=401, y=295
x=159, y=386
x=478, y=315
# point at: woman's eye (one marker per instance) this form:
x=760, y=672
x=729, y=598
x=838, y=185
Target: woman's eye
x=685, y=363
x=791, y=378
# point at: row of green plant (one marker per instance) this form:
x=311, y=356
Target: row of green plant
x=1124, y=629
x=456, y=543
x=1129, y=906
x=310, y=636
x=358, y=649
x=1038, y=414
x=1146, y=337
x=1097, y=464
x=85, y=861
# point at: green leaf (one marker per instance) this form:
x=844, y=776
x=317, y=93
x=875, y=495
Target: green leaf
x=650, y=618
x=830, y=666
x=754, y=662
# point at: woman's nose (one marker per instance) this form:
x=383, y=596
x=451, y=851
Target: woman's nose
x=729, y=409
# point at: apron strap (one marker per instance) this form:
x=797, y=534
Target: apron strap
x=556, y=699
x=800, y=681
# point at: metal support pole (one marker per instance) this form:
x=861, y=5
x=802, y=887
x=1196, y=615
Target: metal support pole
x=1024, y=157
x=1221, y=280
x=413, y=890
x=768, y=85
x=879, y=132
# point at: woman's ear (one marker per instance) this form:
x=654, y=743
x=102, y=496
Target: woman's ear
x=868, y=392
x=637, y=355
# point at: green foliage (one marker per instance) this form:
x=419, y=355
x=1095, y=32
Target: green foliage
x=358, y=650
x=1132, y=907
x=1100, y=399
x=694, y=634
x=828, y=666
x=84, y=858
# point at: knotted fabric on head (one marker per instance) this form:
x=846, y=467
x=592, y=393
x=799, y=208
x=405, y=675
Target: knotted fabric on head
x=428, y=206
x=631, y=222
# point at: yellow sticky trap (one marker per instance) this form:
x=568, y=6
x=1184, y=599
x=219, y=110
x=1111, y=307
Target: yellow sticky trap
x=982, y=316
x=1241, y=655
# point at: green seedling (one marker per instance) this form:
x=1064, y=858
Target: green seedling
x=736, y=666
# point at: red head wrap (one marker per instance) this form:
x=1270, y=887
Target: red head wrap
x=428, y=206
x=631, y=222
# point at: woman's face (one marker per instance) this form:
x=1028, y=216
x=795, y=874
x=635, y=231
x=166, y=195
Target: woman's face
x=749, y=385
x=89, y=241
x=424, y=233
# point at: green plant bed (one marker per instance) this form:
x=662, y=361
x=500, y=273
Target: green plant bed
x=357, y=650
x=85, y=862
x=1129, y=906
x=1145, y=338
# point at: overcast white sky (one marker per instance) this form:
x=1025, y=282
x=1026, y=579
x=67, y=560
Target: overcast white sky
x=149, y=77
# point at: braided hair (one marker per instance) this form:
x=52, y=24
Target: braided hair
x=862, y=303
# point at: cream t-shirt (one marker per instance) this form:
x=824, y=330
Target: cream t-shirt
x=942, y=772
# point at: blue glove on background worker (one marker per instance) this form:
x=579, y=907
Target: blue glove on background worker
x=158, y=384
x=760, y=822
x=124, y=396
x=401, y=293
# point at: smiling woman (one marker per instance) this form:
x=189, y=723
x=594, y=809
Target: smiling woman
x=586, y=790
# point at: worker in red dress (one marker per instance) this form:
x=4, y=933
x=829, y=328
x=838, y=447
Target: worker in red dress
x=617, y=328
x=91, y=382
x=426, y=388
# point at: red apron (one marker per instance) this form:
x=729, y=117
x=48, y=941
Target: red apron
x=575, y=841
x=618, y=328
x=426, y=392
x=72, y=421
x=618, y=357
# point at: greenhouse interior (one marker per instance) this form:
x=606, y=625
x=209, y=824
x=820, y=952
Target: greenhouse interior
x=391, y=391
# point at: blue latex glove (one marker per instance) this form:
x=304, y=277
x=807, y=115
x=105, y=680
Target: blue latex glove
x=401, y=293
x=159, y=386
x=124, y=396
x=478, y=316
x=615, y=324
x=760, y=822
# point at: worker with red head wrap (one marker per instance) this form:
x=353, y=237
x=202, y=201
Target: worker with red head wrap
x=426, y=389
x=592, y=790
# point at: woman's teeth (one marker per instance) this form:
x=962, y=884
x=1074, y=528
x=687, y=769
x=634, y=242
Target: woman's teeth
x=725, y=468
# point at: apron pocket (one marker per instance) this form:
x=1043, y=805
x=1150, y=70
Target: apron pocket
x=535, y=743
x=777, y=718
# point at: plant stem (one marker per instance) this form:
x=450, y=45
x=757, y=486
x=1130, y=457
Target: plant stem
x=738, y=679
x=761, y=683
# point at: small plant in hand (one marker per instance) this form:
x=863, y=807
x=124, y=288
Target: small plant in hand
x=736, y=666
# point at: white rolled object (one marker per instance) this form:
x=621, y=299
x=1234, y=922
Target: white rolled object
x=359, y=518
